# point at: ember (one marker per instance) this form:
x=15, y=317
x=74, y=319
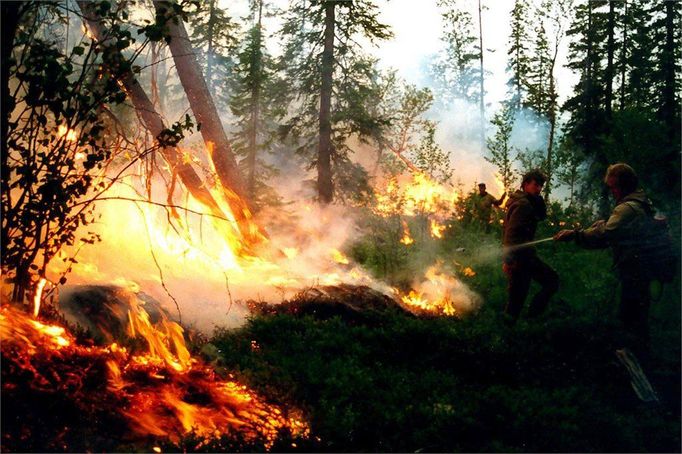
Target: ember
x=161, y=394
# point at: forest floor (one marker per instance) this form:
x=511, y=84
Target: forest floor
x=397, y=383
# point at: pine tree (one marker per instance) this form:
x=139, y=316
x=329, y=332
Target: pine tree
x=455, y=72
x=666, y=29
x=538, y=71
x=640, y=65
x=254, y=103
x=215, y=35
x=331, y=83
x=519, y=59
x=587, y=120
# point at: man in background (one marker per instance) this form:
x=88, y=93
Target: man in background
x=524, y=209
x=483, y=205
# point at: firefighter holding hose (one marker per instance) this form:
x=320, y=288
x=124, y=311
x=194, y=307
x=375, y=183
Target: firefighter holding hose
x=524, y=209
x=625, y=232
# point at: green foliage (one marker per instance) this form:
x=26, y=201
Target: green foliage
x=431, y=158
x=400, y=383
x=354, y=78
x=499, y=146
x=57, y=143
x=214, y=35
x=456, y=70
x=519, y=58
x=256, y=105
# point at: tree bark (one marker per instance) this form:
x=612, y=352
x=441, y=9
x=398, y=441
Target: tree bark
x=256, y=67
x=624, y=55
x=325, y=187
x=150, y=118
x=668, y=108
x=610, y=73
x=10, y=23
x=481, y=77
x=206, y=113
x=209, y=53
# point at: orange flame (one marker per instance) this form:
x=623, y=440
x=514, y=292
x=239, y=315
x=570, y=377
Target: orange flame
x=437, y=229
x=38, y=296
x=414, y=194
x=439, y=294
x=406, y=239
x=468, y=272
x=339, y=257
x=161, y=400
x=71, y=135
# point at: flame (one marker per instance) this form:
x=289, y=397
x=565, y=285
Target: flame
x=157, y=398
x=38, y=296
x=339, y=257
x=406, y=239
x=437, y=229
x=71, y=135
x=290, y=252
x=414, y=194
x=440, y=294
x=468, y=272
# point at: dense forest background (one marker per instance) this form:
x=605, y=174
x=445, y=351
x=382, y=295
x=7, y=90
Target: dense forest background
x=248, y=111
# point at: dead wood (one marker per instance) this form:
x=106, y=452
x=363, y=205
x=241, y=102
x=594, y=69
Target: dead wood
x=638, y=379
x=350, y=302
x=206, y=113
x=151, y=119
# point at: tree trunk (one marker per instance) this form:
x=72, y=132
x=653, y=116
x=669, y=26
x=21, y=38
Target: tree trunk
x=669, y=105
x=624, y=55
x=206, y=113
x=209, y=53
x=325, y=187
x=481, y=78
x=150, y=118
x=610, y=73
x=10, y=23
x=256, y=66
x=552, y=129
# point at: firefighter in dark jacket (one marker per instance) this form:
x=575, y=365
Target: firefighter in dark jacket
x=525, y=208
x=624, y=232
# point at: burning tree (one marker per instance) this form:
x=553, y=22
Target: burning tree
x=60, y=141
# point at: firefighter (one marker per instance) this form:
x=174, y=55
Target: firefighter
x=524, y=209
x=483, y=205
x=624, y=232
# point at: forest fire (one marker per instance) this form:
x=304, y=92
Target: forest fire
x=440, y=293
x=162, y=393
x=415, y=194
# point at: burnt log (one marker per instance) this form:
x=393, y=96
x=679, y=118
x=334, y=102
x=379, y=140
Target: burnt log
x=352, y=303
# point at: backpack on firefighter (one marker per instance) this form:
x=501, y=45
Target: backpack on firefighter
x=656, y=251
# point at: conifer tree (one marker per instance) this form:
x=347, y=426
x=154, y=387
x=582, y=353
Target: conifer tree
x=455, y=72
x=331, y=84
x=519, y=59
x=215, y=35
x=255, y=106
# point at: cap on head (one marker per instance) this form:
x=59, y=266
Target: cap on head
x=623, y=177
x=535, y=174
